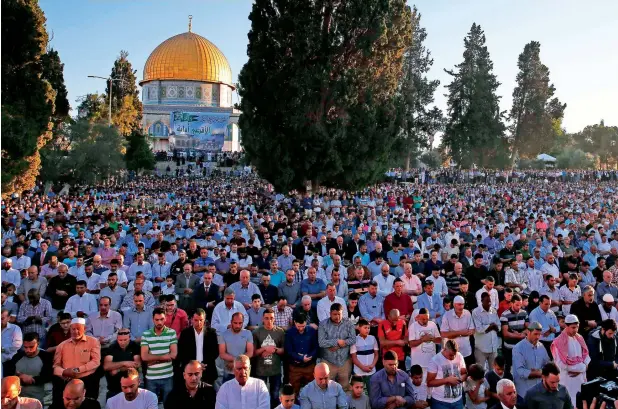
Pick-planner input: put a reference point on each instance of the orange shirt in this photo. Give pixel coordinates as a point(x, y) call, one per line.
point(393, 333)
point(84, 354)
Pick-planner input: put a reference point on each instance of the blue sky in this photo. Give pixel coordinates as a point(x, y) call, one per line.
point(578, 41)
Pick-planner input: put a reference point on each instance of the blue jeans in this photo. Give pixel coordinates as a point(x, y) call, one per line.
point(275, 384)
point(160, 387)
point(436, 404)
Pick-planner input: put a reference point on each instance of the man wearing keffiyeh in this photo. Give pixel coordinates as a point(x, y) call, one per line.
point(571, 356)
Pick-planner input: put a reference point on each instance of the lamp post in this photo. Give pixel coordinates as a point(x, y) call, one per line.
point(110, 80)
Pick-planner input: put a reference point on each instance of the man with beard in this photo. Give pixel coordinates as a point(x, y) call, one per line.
point(193, 394)
point(548, 393)
point(123, 354)
point(199, 343)
point(391, 387)
point(603, 348)
point(159, 348)
point(32, 365)
point(132, 396)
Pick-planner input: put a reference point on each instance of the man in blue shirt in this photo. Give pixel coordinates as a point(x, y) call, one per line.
point(322, 393)
point(301, 348)
point(529, 357)
point(391, 385)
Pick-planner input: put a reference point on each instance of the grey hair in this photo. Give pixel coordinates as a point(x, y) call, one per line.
point(504, 383)
point(305, 298)
point(244, 359)
point(228, 291)
point(587, 289)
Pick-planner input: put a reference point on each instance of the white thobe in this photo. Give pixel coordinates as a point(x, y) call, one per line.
point(573, 384)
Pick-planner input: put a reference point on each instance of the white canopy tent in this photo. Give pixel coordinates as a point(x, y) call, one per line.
point(546, 158)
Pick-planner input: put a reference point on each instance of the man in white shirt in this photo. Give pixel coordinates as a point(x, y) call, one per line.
point(9, 274)
point(243, 391)
point(132, 396)
point(385, 281)
point(78, 269)
point(489, 288)
point(91, 278)
point(114, 268)
point(331, 298)
point(81, 304)
point(139, 265)
point(222, 313)
point(423, 337)
point(550, 268)
point(20, 261)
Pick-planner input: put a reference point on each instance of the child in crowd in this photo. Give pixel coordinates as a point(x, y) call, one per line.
point(447, 303)
point(365, 352)
point(10, 292)
point(168, 287)
point(476, 388)
point(420, 387)
point(439, 283)
point(560, 318)
point(493, 376)
point(156, 292)
point(357, 399)
point(287, 397)
point(524, 302)
point(506, 303)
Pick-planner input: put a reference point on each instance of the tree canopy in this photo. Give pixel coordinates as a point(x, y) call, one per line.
point(319, 91)
point(27, 96)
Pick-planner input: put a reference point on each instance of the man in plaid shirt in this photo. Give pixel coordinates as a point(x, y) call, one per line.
point(35, 315)
point(283, 313)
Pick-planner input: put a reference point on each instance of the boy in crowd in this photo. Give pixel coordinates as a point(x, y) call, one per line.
point(356, 397)
point(364, 352)
point(420, 387)
point(287, 397)
point(493, 376)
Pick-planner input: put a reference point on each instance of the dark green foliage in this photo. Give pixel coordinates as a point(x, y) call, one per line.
point(599, 140)
point(126, 105)
point(27, 97)
point(319, 92)
point(474, 133)
point(139, 155)
point(420, 122)
point(534, 110)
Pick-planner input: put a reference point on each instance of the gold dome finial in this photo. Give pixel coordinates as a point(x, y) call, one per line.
point(190, 18)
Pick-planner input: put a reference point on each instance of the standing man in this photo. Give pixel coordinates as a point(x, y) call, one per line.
point(159, 348)
point(445, 375)
point(81, 304)
point(268, 341)
point(77, 358)
point(60, 288)
point(105, 324)
point(11, 337)
point(234, 342)
point(122, 355)
point(322, 392)
point(514, 323)
point(32, 365)
point(391, 387)
point(185, 286)
point(223, 312)
point(571, 356)
point(398, 300)
point(301, 348)
point(132, 396)
point(325, 303)
point(423, 337)
point(243, 391)
point(207, 295)
point(335, 335)
point(393, 335)
point(138, 319)
point(529, 357)
point(199, 343)
point(549, 393)
point(193, 393)
point(487, 325)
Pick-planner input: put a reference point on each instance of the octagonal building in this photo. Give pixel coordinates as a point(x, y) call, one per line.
point(187, 95)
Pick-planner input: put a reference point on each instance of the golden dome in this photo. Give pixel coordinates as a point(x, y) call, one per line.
point(188, 56)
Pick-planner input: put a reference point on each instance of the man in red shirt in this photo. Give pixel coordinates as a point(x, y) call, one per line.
point(175, 318)
point(399, 300)
point(393, 335)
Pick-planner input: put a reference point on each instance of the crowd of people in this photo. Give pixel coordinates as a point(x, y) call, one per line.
point(217, 292)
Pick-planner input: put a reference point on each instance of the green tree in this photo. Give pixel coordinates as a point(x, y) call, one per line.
point(92, 107)
point(474, 133)
point(53, 72)
point(139, 155)
point(126, 106)
point(432, 159)
point(535, 110)
point(573, 158)
point(27, 97)
point(319, 91)
point(599, 140)
point(420, 122)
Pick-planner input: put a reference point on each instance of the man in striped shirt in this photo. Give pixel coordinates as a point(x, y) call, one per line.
point(514, 322)
point(159, 349)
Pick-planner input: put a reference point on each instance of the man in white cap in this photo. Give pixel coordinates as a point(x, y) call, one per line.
point(571, 355)
point(607, 308)
point(77, 358)
point(458, 325)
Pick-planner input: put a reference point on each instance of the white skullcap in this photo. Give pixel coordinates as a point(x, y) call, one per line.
point(81, 321)
point(608, 298)
point(459, 300)
point(571, 319)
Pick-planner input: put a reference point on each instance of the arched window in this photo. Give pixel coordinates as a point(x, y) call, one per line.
point(158, 129)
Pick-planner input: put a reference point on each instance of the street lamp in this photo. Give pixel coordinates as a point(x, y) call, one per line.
point(110, 80)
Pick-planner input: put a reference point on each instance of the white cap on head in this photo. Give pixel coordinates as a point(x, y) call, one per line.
point(81, 321)
point(608, 298)
point(571, 319)
point(459, 300)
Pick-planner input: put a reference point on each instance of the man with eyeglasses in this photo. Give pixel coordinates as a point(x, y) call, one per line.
point(121, 355)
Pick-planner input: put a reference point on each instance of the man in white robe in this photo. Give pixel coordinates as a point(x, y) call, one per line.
point(571, 356)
